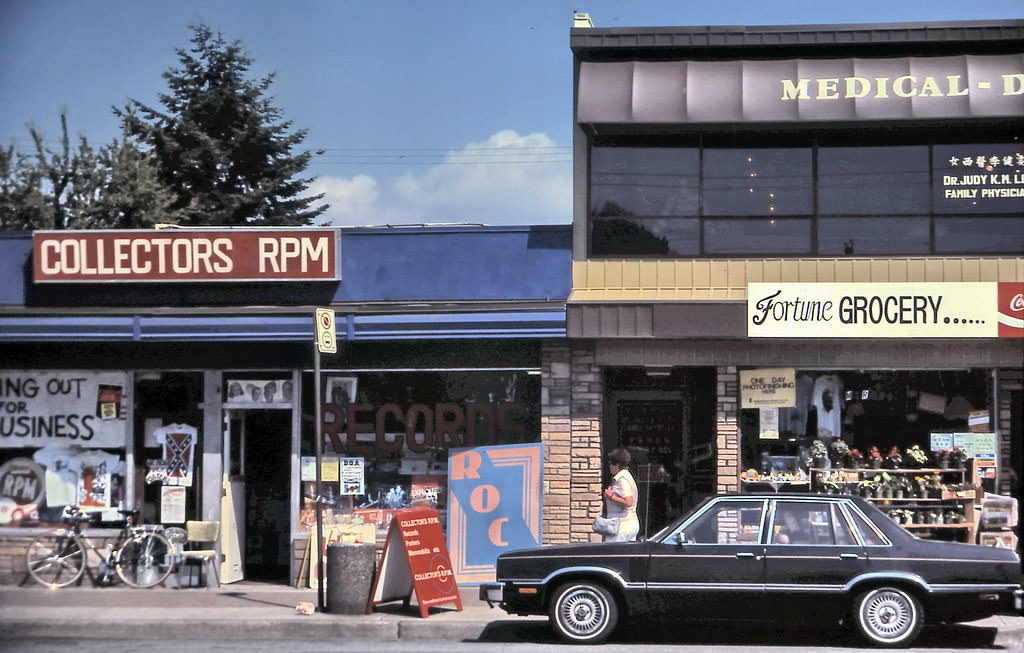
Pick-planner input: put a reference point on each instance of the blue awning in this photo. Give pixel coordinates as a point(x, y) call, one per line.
point(278, 328)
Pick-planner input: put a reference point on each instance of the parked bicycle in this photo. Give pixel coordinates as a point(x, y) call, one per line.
point(140, 556)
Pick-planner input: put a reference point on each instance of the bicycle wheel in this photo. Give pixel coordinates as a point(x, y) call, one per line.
point(145, 560)
point(55, 560)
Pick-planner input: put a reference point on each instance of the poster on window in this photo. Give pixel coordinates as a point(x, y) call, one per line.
point(69, 407)
point(179, 445)
point(257, 391)
point(494, 505)
point(172, 504)
point(340, 390)
point(353, 476)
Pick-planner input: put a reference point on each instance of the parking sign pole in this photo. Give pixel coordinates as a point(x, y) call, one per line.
point(319, 480)
point(326, 342)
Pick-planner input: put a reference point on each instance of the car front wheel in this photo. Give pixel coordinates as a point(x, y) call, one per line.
point(888, 616)
point(583, 613)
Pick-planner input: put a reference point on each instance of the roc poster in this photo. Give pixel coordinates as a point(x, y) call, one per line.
point(494, 505)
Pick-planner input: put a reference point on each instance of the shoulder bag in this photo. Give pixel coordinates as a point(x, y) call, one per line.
point(606, 525)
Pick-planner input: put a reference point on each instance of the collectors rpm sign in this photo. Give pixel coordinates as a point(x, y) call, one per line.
point(885, 310)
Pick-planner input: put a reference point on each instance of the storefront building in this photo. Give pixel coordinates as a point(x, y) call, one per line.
point(789, 235)
point(172, 370)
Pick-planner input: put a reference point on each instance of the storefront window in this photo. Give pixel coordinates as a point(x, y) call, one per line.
point(873, 180)
point(396, 429)
point(62, 441)
point(644, 181)
point(651, 237)
point(874, 236)
point(755, 181)
point(863, 200)
point(757, 236)
point(979, 235)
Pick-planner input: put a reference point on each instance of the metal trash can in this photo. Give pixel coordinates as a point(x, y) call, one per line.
point(349, 577)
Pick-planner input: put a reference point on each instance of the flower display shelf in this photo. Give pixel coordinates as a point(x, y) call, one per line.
point(962, 501)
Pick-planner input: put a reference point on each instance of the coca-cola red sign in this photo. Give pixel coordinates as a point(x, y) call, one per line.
point(1011, 310)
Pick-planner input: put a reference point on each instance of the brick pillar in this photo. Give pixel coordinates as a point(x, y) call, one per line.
point(587, 458)
point(727, 429)
point(572, 396)
point(555, 434)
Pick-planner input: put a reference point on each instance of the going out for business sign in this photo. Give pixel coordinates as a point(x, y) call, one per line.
point(885, 310)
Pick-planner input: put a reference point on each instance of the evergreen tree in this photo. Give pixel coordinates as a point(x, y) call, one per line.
point(220, 143)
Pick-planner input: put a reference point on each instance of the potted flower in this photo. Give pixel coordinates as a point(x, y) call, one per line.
point(941, 458)
point(874, 458)
point(837, 451)
point(854, 459)
point(893, 460)
point(916, 457)
point(818, 455)
point(957, 457)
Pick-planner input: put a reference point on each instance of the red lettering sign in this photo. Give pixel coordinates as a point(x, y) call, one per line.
point(268, 254)
point(416, 558)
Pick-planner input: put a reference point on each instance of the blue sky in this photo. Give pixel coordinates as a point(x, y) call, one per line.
point(430, 110)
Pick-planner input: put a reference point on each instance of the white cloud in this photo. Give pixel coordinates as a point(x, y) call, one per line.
point(507, 179)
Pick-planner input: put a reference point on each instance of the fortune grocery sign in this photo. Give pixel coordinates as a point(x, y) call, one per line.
point(193, 255)
point(885, 310)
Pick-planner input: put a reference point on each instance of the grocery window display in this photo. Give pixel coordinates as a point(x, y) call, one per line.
point(919, 442)
point(386, 436)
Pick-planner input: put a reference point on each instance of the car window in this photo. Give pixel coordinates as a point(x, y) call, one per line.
point(727, 522)
point(869, 535)
point(841, 528)
point(803, 522)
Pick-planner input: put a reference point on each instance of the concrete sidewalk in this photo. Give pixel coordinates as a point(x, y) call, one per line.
point(257, 611)
point(244, 610)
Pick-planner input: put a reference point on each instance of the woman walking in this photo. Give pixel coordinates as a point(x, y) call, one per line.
point(620, 497)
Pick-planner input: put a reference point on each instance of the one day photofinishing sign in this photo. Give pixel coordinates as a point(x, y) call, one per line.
point(886, 310)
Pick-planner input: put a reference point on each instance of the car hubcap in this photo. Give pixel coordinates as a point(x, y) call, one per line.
point(889, 615)
point(583, 612)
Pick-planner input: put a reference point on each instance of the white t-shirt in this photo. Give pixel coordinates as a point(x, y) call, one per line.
point(828, 402)
point(61, 474)
point(624, 486)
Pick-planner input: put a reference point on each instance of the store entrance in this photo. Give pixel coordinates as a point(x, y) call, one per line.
point(257, 448)
point(666, 421)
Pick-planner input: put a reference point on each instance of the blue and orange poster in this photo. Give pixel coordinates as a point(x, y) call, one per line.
point(494, 505)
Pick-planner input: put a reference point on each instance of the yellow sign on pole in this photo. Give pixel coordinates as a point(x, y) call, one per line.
point(326, 340)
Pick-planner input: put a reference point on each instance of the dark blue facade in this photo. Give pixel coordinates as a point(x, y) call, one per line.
point(397, 283)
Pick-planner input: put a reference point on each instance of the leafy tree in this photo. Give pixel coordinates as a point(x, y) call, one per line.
point(78, 187)
point(23, 206)
point(220, 143)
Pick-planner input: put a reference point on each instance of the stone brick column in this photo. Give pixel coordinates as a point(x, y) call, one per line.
point(727, 430)
point(572, 397)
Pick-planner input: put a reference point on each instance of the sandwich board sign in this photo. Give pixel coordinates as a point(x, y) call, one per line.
point(415, 558)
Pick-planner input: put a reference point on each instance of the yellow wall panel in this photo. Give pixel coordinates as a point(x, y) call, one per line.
point(727, 279)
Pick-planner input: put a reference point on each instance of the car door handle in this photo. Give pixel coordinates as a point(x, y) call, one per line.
point(745, 554)
point(849, 556)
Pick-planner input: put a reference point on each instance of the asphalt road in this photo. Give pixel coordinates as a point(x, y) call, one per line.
point(536, 637)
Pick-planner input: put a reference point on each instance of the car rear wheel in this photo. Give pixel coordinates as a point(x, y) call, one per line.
point(888, 616)
point(583, 613)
